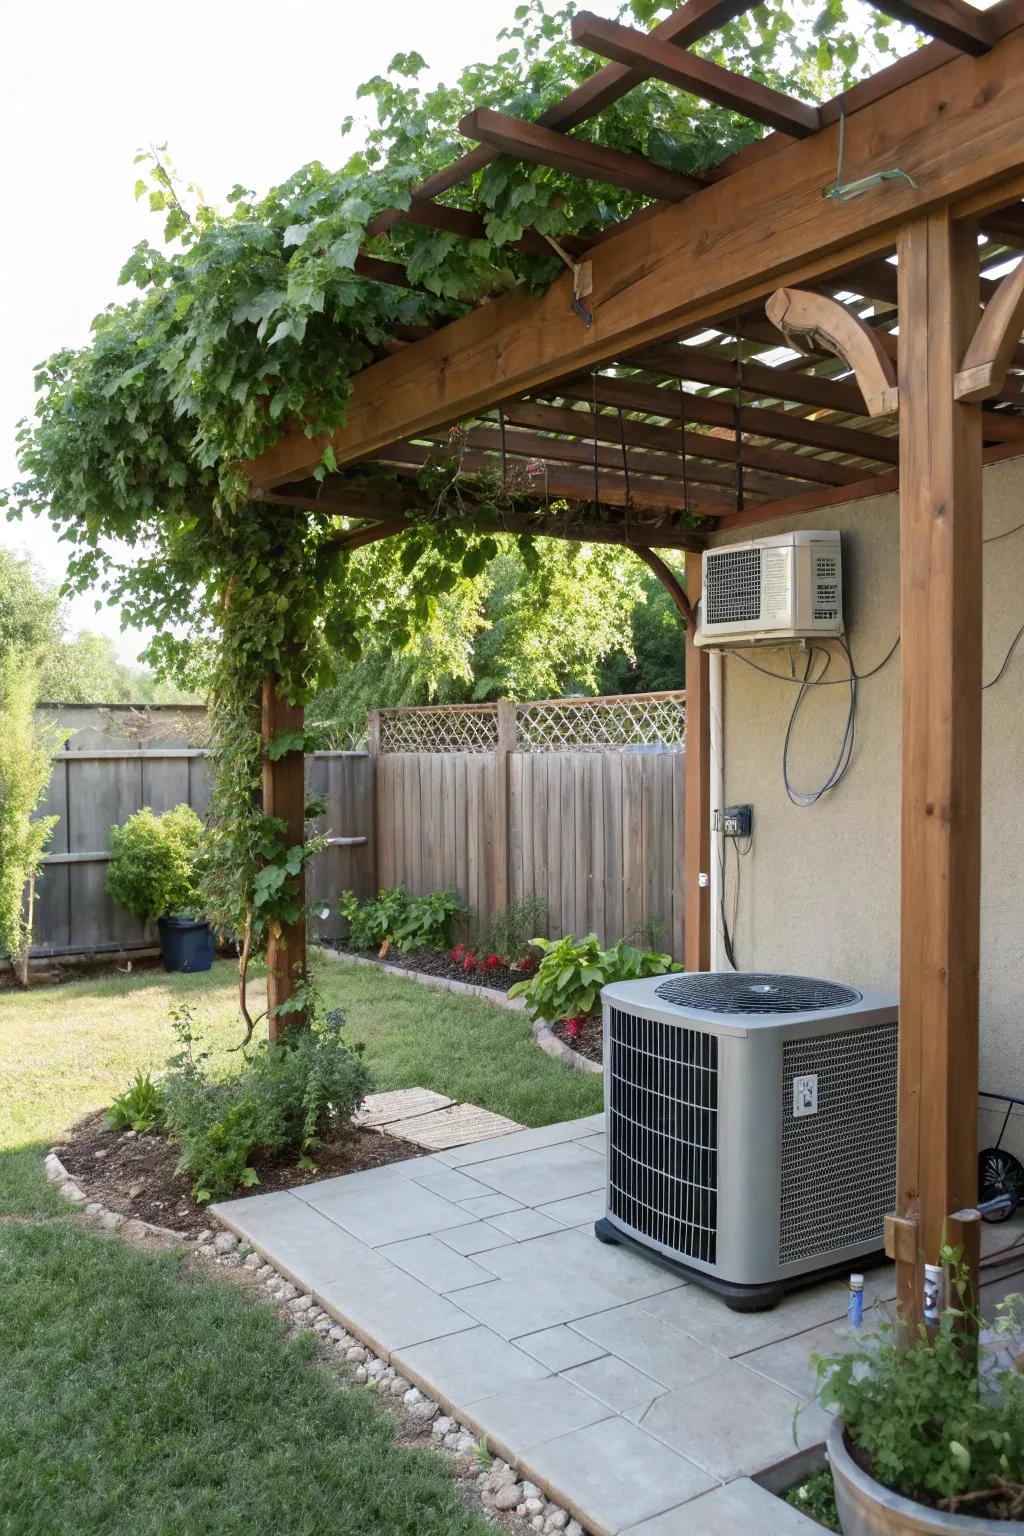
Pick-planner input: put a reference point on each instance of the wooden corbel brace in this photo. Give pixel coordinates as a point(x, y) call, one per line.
point(670, 582)
point(982, 373)
point(815, 320)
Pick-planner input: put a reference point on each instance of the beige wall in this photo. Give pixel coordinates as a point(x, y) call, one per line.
point(819, 889)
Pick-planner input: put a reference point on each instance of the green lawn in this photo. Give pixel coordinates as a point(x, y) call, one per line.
point(139, 1399)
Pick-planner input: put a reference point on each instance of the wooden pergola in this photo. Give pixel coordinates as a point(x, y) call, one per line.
point(826, 315)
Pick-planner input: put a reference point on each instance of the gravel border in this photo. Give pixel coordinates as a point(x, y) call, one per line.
point(542, 1031)
point(503, 1494)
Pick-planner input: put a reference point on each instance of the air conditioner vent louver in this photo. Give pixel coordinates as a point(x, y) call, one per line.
point(720, 992)
point(663, 1132)
point(732, 592)
point(838, 1165)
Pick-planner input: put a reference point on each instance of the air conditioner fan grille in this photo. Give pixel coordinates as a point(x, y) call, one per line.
point(754, 992)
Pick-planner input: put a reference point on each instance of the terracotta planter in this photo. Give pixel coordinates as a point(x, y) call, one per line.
point(868, 1509)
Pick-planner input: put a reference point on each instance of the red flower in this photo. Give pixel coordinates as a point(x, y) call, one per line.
point(572, 1028)
point(469, 960)
point(490, 962)
point(457, 953)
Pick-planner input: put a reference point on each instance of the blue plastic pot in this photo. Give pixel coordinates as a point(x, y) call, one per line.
point(186, 943)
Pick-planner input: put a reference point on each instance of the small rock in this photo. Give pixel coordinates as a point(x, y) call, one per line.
point(413, 1395)
point(135, 1190)
point(533, 1506)
point(509, 1497)
point(264, 1273)
point(376, 1368)
point(502, 1476)
point(207, 1250)
point(94, 1208)
point(451, 1439)
point(231, 1260)
point(252, 1262)
point(423, 1411)
point(225, 1242)
point(441, 1427)
point(530, 1490)
point(72, 1191)
point(110, 1221)
point(398, 1386)
point(99, 1156)
point(205, 1236)
point(286, 1291)
point(321, 1324)
point(537, 1522)
point(555, 1519)
point(360, 1375)
point(357, 1354)
point(300, 1304)
point(574, 1529)
point(487, 1499)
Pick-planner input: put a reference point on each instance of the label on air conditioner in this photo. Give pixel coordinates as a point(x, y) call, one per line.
point(805, 1095)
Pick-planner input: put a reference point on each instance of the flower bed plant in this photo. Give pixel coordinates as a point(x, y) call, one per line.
point(568, 981)
point(285, 1098)
point(393, 918)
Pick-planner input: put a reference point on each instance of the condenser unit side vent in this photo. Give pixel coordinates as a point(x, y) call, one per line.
point(663, 1132)
point(838, 1164)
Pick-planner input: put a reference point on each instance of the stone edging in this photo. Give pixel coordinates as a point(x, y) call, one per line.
point(425, 979)
point(549, 1041)
point(542, 1031)
point(499, 1486)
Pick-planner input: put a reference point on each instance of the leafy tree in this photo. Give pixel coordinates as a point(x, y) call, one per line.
point(25, 750)
point(654, 658)
point(255, 316)
point(30, 610)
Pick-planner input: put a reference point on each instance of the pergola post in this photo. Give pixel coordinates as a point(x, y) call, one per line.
point(697, 791)
point(940, 864)
point(284, 795)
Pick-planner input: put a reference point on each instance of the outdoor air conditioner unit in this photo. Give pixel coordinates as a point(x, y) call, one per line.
point(770, 591)
point(751, 1127)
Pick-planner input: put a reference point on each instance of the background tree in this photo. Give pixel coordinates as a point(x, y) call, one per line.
point(26, 746)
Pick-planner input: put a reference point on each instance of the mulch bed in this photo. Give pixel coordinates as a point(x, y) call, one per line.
point(135, 1175)
point(435, 962)
point(589, 1042)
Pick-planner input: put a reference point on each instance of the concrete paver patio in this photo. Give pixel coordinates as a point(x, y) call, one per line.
point(636, 1400)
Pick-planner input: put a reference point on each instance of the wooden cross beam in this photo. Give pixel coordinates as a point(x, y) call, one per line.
point(955, 22)
point(592, 162)
point(660, 59)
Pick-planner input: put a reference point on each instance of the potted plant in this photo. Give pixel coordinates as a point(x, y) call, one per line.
point(929, 1438)
point(153, 873)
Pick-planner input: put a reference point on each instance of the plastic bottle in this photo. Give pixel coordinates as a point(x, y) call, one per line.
point(855, 1311)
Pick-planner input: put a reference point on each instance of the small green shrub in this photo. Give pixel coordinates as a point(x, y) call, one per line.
point(918, 1416)
point(568, 981)
point(153, 865)
point(286, 1098)
point(508, 933)
point(139, 1108)
point(371, 923)
point(428, 920)
point(815, 1497)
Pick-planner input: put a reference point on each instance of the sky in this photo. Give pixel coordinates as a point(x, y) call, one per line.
point(240, 90)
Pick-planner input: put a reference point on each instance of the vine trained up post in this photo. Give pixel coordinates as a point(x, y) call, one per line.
point(284, 796)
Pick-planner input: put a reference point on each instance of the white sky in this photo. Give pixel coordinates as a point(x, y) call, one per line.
point(240, 90)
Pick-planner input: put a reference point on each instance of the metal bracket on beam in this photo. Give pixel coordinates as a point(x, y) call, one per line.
point(813, 320)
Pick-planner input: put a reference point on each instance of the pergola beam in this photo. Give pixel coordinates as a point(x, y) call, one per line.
point(952, 131)
point(658, 59)
point(592, 162)
point(955, 22)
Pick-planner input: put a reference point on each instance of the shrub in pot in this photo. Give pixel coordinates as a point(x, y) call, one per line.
point(153, 873)
point(928, 1438)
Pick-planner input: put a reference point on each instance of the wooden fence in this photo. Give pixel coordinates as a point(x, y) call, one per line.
point(93, 790)
point(576, 801)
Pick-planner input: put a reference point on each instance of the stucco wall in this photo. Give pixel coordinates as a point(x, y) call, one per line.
point(819, 888)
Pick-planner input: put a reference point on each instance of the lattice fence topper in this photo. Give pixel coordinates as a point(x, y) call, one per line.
point(440, 728)
point(599, 725)
point(547, 725)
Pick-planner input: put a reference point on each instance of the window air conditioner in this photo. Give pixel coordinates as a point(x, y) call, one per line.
point(770, 591)
point(751, 1127)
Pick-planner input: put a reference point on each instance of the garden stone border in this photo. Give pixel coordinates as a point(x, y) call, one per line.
point(499, 1486)
point(543, 1034)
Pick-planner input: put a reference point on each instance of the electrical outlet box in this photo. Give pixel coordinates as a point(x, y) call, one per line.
point(737, 820)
